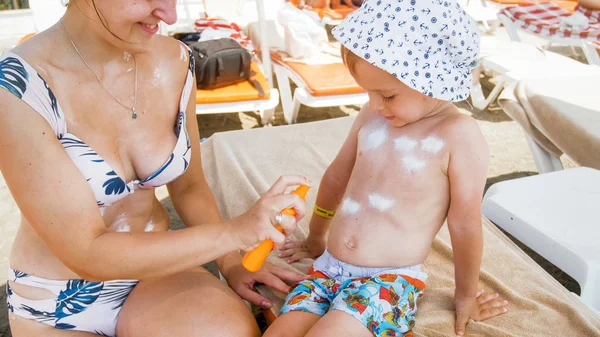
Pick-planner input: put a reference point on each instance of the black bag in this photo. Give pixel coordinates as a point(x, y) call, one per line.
point(222, 62)
point(188, 38)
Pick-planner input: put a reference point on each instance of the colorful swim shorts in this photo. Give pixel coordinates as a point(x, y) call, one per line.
point(383, 299)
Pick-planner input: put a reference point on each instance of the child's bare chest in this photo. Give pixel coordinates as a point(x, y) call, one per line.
point(409, 156)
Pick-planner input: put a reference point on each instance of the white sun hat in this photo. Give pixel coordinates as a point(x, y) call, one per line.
point(429, 45)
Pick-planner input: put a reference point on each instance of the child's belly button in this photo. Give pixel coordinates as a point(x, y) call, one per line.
point(350, 243)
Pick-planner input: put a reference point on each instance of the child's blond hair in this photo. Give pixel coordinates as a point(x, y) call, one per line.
point(349, 58)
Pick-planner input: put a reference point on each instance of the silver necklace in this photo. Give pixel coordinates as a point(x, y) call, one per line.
point(133, 112)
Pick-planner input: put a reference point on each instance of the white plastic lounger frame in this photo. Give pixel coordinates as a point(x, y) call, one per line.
point(507, 62)
point(588, 48)
point(557, 215)
point(482, 12)
point(291, 104)
point(266, 108)
point(544, 160)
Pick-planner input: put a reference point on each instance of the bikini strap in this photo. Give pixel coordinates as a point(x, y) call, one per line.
point(20, 79)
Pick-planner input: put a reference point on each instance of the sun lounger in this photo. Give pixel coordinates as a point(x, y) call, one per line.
point(545, 20)
point(508, 62)
point(558, 115)
point(330, 16)
point(239, 98)
point(318, 85)
point(555, 214)
point(238, 171)
point(483, 12)
point(568, 5)
point(321, 78)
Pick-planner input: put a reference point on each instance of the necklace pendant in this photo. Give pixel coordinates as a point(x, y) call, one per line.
point(133, 113)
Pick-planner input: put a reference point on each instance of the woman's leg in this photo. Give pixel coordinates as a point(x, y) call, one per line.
point(21, 327)
point(191, 303)
point(292, 324)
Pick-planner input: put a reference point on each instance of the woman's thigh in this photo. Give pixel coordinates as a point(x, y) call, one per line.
point(292, 324)
point(21, 327)
point(192, 303)
point(338, 323)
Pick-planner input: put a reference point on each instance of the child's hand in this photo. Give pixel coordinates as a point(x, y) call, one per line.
point(312, 247)
point(480, 308)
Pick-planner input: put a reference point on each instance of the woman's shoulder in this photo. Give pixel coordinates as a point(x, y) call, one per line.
point(171, 59)
point(34, 48)
point(171, 52)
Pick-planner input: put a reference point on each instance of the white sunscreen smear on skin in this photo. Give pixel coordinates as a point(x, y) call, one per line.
point(126, 56)
point(121, 224)
point(413, 164)
point(182, 53)
point(149, 226)
point(380, 202)
point(350, 206)
point(432, 144)
point(405, 144)
point(124, 228)
point(377, 134)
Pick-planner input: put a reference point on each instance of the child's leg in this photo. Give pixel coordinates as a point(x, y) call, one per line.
point(337, 323)
point(292, 324)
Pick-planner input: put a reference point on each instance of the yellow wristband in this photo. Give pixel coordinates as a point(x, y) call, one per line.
point(322, 212)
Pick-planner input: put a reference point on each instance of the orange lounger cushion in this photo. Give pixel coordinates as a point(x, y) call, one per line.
point(243, 91)
point(567, 5)
point(322, 79)
point(338, 13)
point(25, 38)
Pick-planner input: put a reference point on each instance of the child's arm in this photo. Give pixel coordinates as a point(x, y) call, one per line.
point(467, 172)
point(331, 191)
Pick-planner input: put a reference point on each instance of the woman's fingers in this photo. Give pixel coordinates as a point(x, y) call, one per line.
point(270, 211)
point(288, 223)
point(272, 281)
point(285, 181)
point(276, 236)
point(253, 297)
point(281, 202)
point(286, 274)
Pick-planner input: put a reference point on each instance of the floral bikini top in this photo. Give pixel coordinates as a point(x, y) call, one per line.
point(20, 79)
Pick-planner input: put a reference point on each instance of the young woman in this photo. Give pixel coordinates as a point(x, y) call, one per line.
point(95, 113)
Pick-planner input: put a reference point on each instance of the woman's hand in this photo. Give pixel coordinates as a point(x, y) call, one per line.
point(313, 246)
point(258, 223)
point(243, 281)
